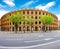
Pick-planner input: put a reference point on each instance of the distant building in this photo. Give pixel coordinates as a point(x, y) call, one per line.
point(6, 25)
point(59, 24)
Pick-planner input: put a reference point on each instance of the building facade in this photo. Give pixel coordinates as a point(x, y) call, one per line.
point(59, 24)
point(35, 14)
point(0, 24)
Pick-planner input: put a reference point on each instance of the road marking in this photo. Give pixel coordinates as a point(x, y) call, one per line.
point(33, 41)
point(32, 46)
point(48, 39)
point(38, 40)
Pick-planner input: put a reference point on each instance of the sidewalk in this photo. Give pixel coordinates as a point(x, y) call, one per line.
point(13, 32)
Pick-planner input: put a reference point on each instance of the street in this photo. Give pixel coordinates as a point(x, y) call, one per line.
point(37, 40)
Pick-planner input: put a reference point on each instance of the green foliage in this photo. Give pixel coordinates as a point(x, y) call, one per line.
point(16, 18)
point(26, 19)
point(30, 20)
point(46, 19)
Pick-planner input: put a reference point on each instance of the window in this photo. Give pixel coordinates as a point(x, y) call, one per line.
point(43, 13)
point(27, 12)
point(19, 28)
point(36, 12)
point(36, 22)
point(23, 22)
point(35, 17)
point(32, 17)
point(13, 23)
point(46, 13)
point(39, 22)
point(23, 12)
point(39, 13)
point(10, 23)
point(20, 22)
point(32, 12)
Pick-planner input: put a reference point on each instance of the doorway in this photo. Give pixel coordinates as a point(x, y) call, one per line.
point(36, 28)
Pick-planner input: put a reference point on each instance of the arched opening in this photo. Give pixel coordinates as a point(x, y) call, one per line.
point(12, 28)
point(19, 28)
point(39, 28)
point(28, 28)
point(43, 28)
point(36, 28)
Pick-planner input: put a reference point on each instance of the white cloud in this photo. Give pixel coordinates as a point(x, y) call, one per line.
point(9, 2)
point(29, 3)
point(58, 15)
point(46, 7)
point(2, 12)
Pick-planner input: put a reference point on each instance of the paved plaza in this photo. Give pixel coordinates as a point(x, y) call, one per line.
point(34, 40)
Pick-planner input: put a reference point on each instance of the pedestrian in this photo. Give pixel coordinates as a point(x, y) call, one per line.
point(39, 28)
point(49, 29)
point(24, 29)
point(32, 28)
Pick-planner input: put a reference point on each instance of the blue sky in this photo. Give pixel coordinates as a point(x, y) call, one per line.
point(52, 6)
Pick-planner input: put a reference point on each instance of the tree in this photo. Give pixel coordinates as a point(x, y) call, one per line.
point(24, 20)
point(16, 18)
point(30, 21)
point(46, 20)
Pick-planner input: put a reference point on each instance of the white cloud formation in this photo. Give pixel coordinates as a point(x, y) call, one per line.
point(46, 7)
point(2, 12)
point(29, 3)
point(9, 2)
